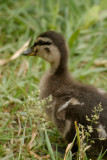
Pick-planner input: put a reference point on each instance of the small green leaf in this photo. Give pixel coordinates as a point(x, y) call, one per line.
point(73, 37)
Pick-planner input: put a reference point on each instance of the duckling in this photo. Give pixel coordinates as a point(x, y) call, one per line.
point(71, 100)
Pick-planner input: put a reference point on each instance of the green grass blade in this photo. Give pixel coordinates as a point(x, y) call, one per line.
point(49, 146)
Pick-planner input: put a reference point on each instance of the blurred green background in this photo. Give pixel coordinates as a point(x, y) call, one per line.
point(84, 27)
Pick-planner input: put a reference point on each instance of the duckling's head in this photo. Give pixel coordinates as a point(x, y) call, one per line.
point(50, 46)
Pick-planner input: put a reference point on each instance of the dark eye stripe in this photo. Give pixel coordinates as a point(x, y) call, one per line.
point(40, 43)
point(47, 43)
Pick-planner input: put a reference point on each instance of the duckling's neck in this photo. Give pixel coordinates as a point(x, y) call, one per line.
point(54, 67)
point(59, 67)
point(51, 82)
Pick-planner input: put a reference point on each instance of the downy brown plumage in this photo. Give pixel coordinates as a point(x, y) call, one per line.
point(72, 100)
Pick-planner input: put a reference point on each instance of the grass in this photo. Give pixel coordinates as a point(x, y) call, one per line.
point(83, 25)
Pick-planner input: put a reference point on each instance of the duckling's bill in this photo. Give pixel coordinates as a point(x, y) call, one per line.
point(29, 52)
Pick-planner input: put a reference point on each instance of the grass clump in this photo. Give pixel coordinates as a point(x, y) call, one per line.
point(33, 107)
point(84, 134)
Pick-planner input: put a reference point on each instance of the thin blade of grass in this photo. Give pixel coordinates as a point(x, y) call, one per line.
point(49, 146)
point(101, 155)
point(68, 149)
